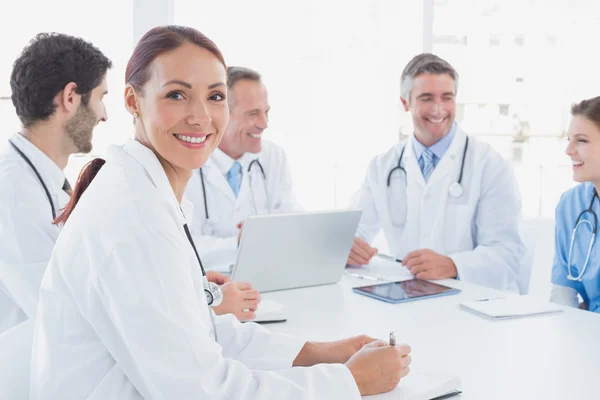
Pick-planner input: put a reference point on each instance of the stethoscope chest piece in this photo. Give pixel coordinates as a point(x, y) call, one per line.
point(455, 190)
point(214, 294)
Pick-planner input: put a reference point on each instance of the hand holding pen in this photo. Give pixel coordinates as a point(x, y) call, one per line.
point(378, 366)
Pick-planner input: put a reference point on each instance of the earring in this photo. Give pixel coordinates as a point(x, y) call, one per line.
point(135, 115)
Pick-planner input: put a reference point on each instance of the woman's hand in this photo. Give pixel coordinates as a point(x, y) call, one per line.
point(217, 278)
point(239, 299)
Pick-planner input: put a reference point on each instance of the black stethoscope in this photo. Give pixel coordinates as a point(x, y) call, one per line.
point(398, 213)
point(593, 228)
point(212, 291)
point(207, 230)
point(28, 161)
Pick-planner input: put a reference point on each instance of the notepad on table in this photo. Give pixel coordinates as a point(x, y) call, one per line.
point(422, 385)
point(269, 311)
point(510, 307)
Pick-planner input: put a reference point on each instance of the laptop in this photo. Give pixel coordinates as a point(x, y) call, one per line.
point(286, 251)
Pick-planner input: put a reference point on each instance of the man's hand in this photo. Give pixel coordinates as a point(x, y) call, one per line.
point(240, 299)
point(217, 278)
point(361, 252)
point(427, 264)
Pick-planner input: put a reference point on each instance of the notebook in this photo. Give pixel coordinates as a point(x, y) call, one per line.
point(422, 385)
point(510, 307)
point(269, 311)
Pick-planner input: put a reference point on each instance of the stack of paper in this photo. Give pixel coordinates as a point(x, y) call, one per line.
point(269, 311)
point(510, 307)
point(422, 385)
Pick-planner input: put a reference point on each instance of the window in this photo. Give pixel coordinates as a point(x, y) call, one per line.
point(518, 81)
point(332, 69)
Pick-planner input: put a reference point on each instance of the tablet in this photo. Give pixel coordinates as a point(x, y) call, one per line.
point(399, 292)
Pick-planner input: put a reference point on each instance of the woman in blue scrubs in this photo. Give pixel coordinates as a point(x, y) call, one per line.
point(576, 268)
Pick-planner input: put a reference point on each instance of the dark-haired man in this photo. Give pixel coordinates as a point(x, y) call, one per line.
point(58, 84)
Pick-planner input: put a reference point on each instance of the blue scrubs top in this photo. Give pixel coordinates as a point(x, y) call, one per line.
point(571, 204)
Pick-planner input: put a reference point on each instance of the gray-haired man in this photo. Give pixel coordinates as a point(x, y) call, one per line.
point(448, 204)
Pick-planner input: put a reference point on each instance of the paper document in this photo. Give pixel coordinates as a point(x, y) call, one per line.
point(421, 385)
point(269, 311)
point(510, 307)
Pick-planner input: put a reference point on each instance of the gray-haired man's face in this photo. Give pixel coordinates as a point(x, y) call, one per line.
point(432, 105)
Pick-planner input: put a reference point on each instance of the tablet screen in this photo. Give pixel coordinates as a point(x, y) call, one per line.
point(411, 289)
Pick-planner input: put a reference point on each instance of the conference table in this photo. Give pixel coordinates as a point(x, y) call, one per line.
point(554, 356)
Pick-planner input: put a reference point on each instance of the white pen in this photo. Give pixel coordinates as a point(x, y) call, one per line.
point(392, 338)
point(373, 278)
point(389, 258)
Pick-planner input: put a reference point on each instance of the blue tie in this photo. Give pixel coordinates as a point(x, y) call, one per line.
point(426, 163)
point(234, 177)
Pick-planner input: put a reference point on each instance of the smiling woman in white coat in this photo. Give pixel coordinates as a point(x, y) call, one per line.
point(123, 310)
point(448, 204)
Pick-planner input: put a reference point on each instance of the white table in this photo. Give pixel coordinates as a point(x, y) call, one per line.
point(543, 357)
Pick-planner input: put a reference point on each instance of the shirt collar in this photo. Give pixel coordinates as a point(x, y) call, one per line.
point(52, 175)
point(439, 148)
point(224, 162)
point(157, 174)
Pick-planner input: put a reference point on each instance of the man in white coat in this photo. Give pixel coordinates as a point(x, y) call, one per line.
point(57, 83)
point(448, 204)
point(246, 175)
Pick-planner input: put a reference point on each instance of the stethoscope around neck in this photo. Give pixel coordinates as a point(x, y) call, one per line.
point(398, 211)
point(207, 229)
point(593, 229)
point(28, 161)
point(212, 291)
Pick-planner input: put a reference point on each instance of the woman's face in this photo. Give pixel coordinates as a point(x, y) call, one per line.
point(584, 149)
point(183, 108)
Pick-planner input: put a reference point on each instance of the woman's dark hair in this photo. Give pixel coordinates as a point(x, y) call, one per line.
point(48, 63)
point(158, 41)
point(589, 108)
point(154, 43)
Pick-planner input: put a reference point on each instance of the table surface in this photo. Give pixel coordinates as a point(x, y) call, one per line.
point(553, 356)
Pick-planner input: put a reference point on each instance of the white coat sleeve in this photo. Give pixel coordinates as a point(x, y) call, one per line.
point(495, 261)
point(162, 343)
point(566, 296)
point(25, 246)
point(370, 223)
point(284, 199)
point(245, 342)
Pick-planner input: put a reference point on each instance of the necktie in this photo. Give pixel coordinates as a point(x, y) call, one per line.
point(427, 163)
point(67, 187)
point(234, 177)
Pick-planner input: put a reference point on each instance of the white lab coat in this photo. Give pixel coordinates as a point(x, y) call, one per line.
point(217, 237)
point(27, 235)
point(478, 231)
point(123, 314)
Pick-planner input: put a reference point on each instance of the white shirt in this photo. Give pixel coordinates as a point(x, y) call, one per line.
point(478, 230)
point(27, 234)
point(123, 314)
point(217, 236)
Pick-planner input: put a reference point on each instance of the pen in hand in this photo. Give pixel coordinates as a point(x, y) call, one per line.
point(392, 338)
point(388, 258)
